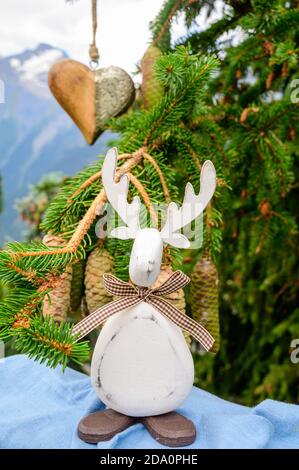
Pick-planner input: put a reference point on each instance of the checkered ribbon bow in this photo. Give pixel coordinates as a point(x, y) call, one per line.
point(131, 295)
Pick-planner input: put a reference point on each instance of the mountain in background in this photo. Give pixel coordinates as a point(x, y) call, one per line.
point(36, 135)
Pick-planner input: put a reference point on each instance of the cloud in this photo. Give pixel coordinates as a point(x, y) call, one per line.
point(123, 31)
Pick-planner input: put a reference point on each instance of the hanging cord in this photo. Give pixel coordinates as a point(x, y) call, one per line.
point(93, 50)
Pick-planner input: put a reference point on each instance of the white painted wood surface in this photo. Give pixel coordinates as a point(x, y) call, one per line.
point(146, 257)
point(141, 364)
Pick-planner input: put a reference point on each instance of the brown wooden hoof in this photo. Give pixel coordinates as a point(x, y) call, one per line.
point(103, 425)
point(171, 429)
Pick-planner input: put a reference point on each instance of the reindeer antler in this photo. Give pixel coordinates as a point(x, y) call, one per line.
point(117, 193)
point(191, 208)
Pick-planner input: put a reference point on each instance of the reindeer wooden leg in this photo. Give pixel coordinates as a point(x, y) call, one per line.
point(171, 429)
point(103, 425)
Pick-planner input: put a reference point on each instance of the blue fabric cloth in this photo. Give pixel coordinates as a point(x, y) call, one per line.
point(41, 408)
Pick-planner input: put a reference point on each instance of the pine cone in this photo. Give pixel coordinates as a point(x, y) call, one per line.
point(151, 89)
point(77, 286)
point(204, 298)
point(53, 240)
point(175, 298)
point(99, 262)
point(57, 303)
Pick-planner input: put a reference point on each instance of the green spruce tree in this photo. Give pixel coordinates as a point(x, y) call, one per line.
point(225, 93)
point(248, 126)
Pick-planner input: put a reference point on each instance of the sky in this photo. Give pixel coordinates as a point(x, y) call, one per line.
point(123, 27)
point(123, 31)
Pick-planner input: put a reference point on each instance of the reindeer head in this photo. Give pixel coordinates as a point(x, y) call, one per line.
point(146, 254)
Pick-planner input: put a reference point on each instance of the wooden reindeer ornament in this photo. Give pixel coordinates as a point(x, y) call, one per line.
point(142, 368)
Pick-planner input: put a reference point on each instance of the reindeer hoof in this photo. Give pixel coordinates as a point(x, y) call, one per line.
point(103, 425)
point(171, 429)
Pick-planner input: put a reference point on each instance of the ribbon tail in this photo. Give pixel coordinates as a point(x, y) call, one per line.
point(180, 319)
point(100, 315)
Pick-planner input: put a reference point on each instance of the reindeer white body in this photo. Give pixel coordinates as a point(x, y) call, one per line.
point(141, 364)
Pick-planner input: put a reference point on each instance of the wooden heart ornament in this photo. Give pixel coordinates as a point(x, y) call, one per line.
point(90, 97)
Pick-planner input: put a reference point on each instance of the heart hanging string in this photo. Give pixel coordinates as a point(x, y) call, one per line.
point(93, 49)
point(91, 95)
point(131, 295)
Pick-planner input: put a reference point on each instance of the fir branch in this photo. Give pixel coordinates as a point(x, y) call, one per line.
point(163, 181)
point(42, 339)
point(184, 78)
point(120, 250)
point(30, 263)
point(47, 342)
point(9, 308)
point(73, 246)
point(160, 27)
point(207, 40)
point(93, 178)
point(69, 206)
point(146, 199)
